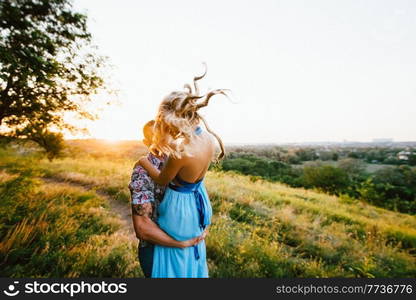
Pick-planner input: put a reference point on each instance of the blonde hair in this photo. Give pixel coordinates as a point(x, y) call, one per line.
point(177, 118)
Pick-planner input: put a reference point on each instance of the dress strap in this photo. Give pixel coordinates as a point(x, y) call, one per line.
point(198, 130)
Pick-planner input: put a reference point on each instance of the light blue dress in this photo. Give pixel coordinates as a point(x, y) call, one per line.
point(184, 213)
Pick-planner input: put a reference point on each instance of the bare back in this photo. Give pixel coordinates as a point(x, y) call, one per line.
point(194, 167)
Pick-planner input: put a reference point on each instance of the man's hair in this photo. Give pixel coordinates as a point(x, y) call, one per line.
point(148, 130)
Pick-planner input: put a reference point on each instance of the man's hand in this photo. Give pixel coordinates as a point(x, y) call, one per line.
point(196, 240)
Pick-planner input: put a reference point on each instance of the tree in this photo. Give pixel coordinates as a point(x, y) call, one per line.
point(412, 159)
point(241, 165)
point(356, 172)
point(307, 154)
point(47, 67)
point(352, 166)
point(326, 178)
point(393, 188)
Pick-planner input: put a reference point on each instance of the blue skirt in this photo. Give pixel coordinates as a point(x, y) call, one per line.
point(180, 217)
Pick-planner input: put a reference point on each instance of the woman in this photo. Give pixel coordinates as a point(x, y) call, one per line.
point(185, 211)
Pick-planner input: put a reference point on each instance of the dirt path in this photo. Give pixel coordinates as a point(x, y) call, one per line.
point(121, 210)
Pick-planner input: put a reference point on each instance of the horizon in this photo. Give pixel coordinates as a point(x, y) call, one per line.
point(263, 144)
point(299, 71)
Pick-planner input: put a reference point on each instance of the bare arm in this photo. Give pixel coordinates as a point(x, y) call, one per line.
point(163, 177)
point(147, 230)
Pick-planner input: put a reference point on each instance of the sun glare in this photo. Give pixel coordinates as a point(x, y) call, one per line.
point(112, 140)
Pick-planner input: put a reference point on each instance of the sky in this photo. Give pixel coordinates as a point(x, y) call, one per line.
point(299, 71)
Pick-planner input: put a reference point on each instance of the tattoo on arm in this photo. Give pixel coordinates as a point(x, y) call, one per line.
point(144, 209)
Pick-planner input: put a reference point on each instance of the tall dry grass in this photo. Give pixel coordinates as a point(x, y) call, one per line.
point(56, 230)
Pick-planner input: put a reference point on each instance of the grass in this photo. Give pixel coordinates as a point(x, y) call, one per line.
point(259, 229)
point(56, 230)
point(286, 232)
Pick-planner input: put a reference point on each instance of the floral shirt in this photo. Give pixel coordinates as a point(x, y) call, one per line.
point(146, 195)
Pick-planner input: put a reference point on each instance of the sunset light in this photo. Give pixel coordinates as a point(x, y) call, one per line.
point(287, 62)
point(270, 142)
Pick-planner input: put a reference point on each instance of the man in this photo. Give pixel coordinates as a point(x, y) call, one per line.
point(146, 196)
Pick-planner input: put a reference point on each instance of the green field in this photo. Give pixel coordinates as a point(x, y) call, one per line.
point(370, 168)
point(69, 218)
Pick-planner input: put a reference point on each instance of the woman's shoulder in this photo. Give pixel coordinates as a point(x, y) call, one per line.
point(211, 144)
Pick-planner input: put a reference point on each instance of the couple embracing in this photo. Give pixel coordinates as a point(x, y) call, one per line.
point(171, 209)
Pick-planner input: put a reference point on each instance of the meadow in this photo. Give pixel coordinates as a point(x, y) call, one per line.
point(69, 217)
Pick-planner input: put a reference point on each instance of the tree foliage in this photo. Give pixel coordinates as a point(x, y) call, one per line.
point(393, 188)
point(48, 66)
point(327, 178)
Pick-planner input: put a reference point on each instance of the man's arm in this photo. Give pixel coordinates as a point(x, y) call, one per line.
point(148, 230)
